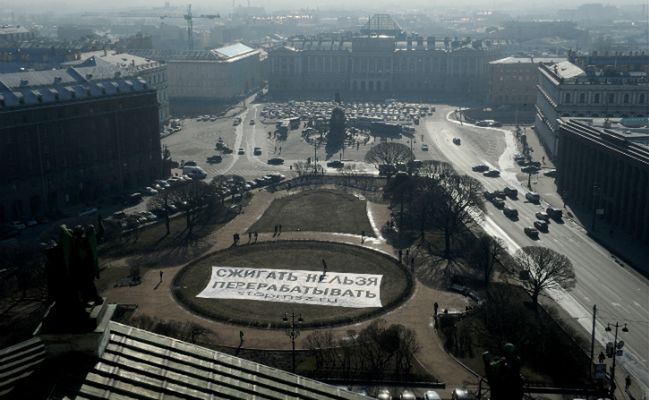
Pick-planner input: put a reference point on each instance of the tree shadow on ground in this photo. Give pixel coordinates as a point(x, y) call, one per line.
point(186, 247)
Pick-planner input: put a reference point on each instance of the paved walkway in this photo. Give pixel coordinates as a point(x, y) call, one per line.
point(154, 298)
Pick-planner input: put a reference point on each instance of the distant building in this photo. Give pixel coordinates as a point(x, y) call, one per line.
point(621, 62)
point(565, 90)
point(605, 168)
point(512, 81)
point(11, 34)
point(70, 136)
point(381, 65)
point(152, 71)
point(210, 76)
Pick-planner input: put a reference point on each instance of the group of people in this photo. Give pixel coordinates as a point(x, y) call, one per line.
point(407, 257)
point(236, 237)
point(278, 230)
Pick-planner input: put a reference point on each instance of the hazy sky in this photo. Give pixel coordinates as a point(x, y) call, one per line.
point(35, 6)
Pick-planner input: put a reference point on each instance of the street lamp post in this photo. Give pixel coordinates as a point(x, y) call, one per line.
point(293, 323)
point(615, 349)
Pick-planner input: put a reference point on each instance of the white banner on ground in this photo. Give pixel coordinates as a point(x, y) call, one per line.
point(294, 286)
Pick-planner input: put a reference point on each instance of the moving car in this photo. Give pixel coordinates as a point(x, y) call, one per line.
point(256, 151)
point(276, 161)
point(533, 197)
point(531, 232)
point(541, 225)
point(510, 192)
point(457, 141)
point(510, 212)
point(542, 216)
point(494, 173)
point(241, 151)
point(252, 122)
point(554, 213)
point(424, 147)
point(214, 159)
point(335, 164)
point(480, 168)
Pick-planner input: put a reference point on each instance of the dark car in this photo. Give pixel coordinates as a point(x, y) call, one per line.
point(226, 150)
point(511, 213)
point(457, 141)
point(498, 203)
point(541, 225)
point(276, 161)
point(335, 164)
point(480, 168)
point(542, 216)
point(530, 169)
point(494, 173)
point(511, 192)
point(531, 232)
point(214, 159)
point(8, 232)
point(554, 213)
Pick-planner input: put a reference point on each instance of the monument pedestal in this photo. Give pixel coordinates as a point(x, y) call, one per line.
point(89, 336)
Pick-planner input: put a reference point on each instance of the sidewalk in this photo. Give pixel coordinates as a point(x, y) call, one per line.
point(154, 298)
point(618, 243)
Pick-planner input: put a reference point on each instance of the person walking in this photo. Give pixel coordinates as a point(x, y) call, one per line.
point(249, 236)
point(280, 228)
point(435, 308)
point(256, 235)
point(161, 272)
point(400, 255)
point(324, 266)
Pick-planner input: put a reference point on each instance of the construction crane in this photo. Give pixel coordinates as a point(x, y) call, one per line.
point(189, 17)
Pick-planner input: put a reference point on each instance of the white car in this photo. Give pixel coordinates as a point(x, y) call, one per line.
point(432, 395)
point(149, 191)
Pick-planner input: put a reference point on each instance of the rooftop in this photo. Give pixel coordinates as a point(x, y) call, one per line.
point(138, 364)
point(621, 132)
point(33, 88)
point(230, 53)
point(569, 73)
point(10, 29)
point(112, 57)
point(529, 60)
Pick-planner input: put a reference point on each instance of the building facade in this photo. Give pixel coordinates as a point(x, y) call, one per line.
point(152, 71)
point(71, 136)
point(218, 75)
point(565, 90)
point(380, 62)
point(605, 168)
point(512, 81)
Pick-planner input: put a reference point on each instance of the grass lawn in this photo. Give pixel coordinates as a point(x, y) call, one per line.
point(396, 284)
point(319, 211)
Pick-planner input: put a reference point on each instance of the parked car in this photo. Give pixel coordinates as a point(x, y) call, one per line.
point(541, 225)
point(215, 159)
point(252, 122)
point(163, 183)
point(462, 394)
point(542, 216)
point(407, 395)
point(383, 394)
point(531, 232)
point(226, 150)
point(480, 168)
point(431, 395)
point(457, 141)
point(8, 232)
point(189, 163)
point(149, 191)
point(498, 203)
point(494, 173)
point(133, 199)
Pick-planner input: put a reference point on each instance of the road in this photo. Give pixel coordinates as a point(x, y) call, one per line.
point(620, 293)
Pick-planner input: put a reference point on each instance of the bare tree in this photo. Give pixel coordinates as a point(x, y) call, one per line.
point(456, 198)
point(390, 155)
point(161, 201)
point(540, 269)
point(192, 198)
point(484, 256)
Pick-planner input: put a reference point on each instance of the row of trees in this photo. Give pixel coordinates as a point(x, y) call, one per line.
point(375, 350)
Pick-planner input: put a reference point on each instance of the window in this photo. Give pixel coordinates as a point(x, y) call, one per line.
point(582, 98)
point(596, 98)
point(567, 98)
point(611, 98)
point(641, 98)
point(626, 98)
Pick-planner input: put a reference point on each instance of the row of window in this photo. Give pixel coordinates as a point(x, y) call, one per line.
point(610, 98)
